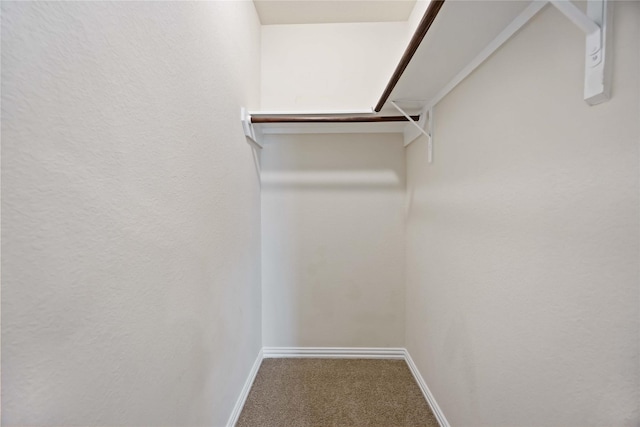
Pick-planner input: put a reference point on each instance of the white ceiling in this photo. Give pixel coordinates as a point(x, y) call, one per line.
point(326, 11)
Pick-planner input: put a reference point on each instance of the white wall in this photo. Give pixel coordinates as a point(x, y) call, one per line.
point(130, 212)
point(328, 66)
point(332, 240)
point(338, 66)
point(523, 237)
point(417, 13)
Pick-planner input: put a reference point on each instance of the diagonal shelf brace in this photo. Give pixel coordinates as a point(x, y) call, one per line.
point(410, 137)
point(576, 16)
point(413, 122)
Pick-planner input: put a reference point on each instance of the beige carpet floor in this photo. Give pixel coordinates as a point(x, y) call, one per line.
point(335, 392)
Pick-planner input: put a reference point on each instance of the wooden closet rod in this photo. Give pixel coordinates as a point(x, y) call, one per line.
point(330, 119)
point(421, 31)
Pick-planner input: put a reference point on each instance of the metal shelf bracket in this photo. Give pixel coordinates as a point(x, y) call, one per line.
point(429, 114)
point(250, 131)
point(410, 134)
point(596, 24)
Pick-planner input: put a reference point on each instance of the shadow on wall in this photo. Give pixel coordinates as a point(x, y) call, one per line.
point(335, 162)
point(335, 180)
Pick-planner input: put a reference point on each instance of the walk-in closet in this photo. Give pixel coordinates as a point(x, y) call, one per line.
point(320, 213)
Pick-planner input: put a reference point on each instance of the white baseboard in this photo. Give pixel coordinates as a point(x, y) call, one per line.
point(337, 353)
point(237, 409)
point(442, 420)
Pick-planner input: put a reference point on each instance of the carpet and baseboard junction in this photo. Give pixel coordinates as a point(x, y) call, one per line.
point(305, 387)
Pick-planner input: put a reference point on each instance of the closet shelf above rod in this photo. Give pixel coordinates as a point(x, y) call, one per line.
point(452, 40)
point(465, 34)
point(329, 119)
point(256, 124)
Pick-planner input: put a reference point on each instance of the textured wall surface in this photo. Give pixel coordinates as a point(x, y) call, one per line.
point(333, 240)
point(130, 212)
point(523, 237)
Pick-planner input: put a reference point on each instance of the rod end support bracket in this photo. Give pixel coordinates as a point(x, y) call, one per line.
point(597, 70)
point(596, 24)
point(250, 131)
